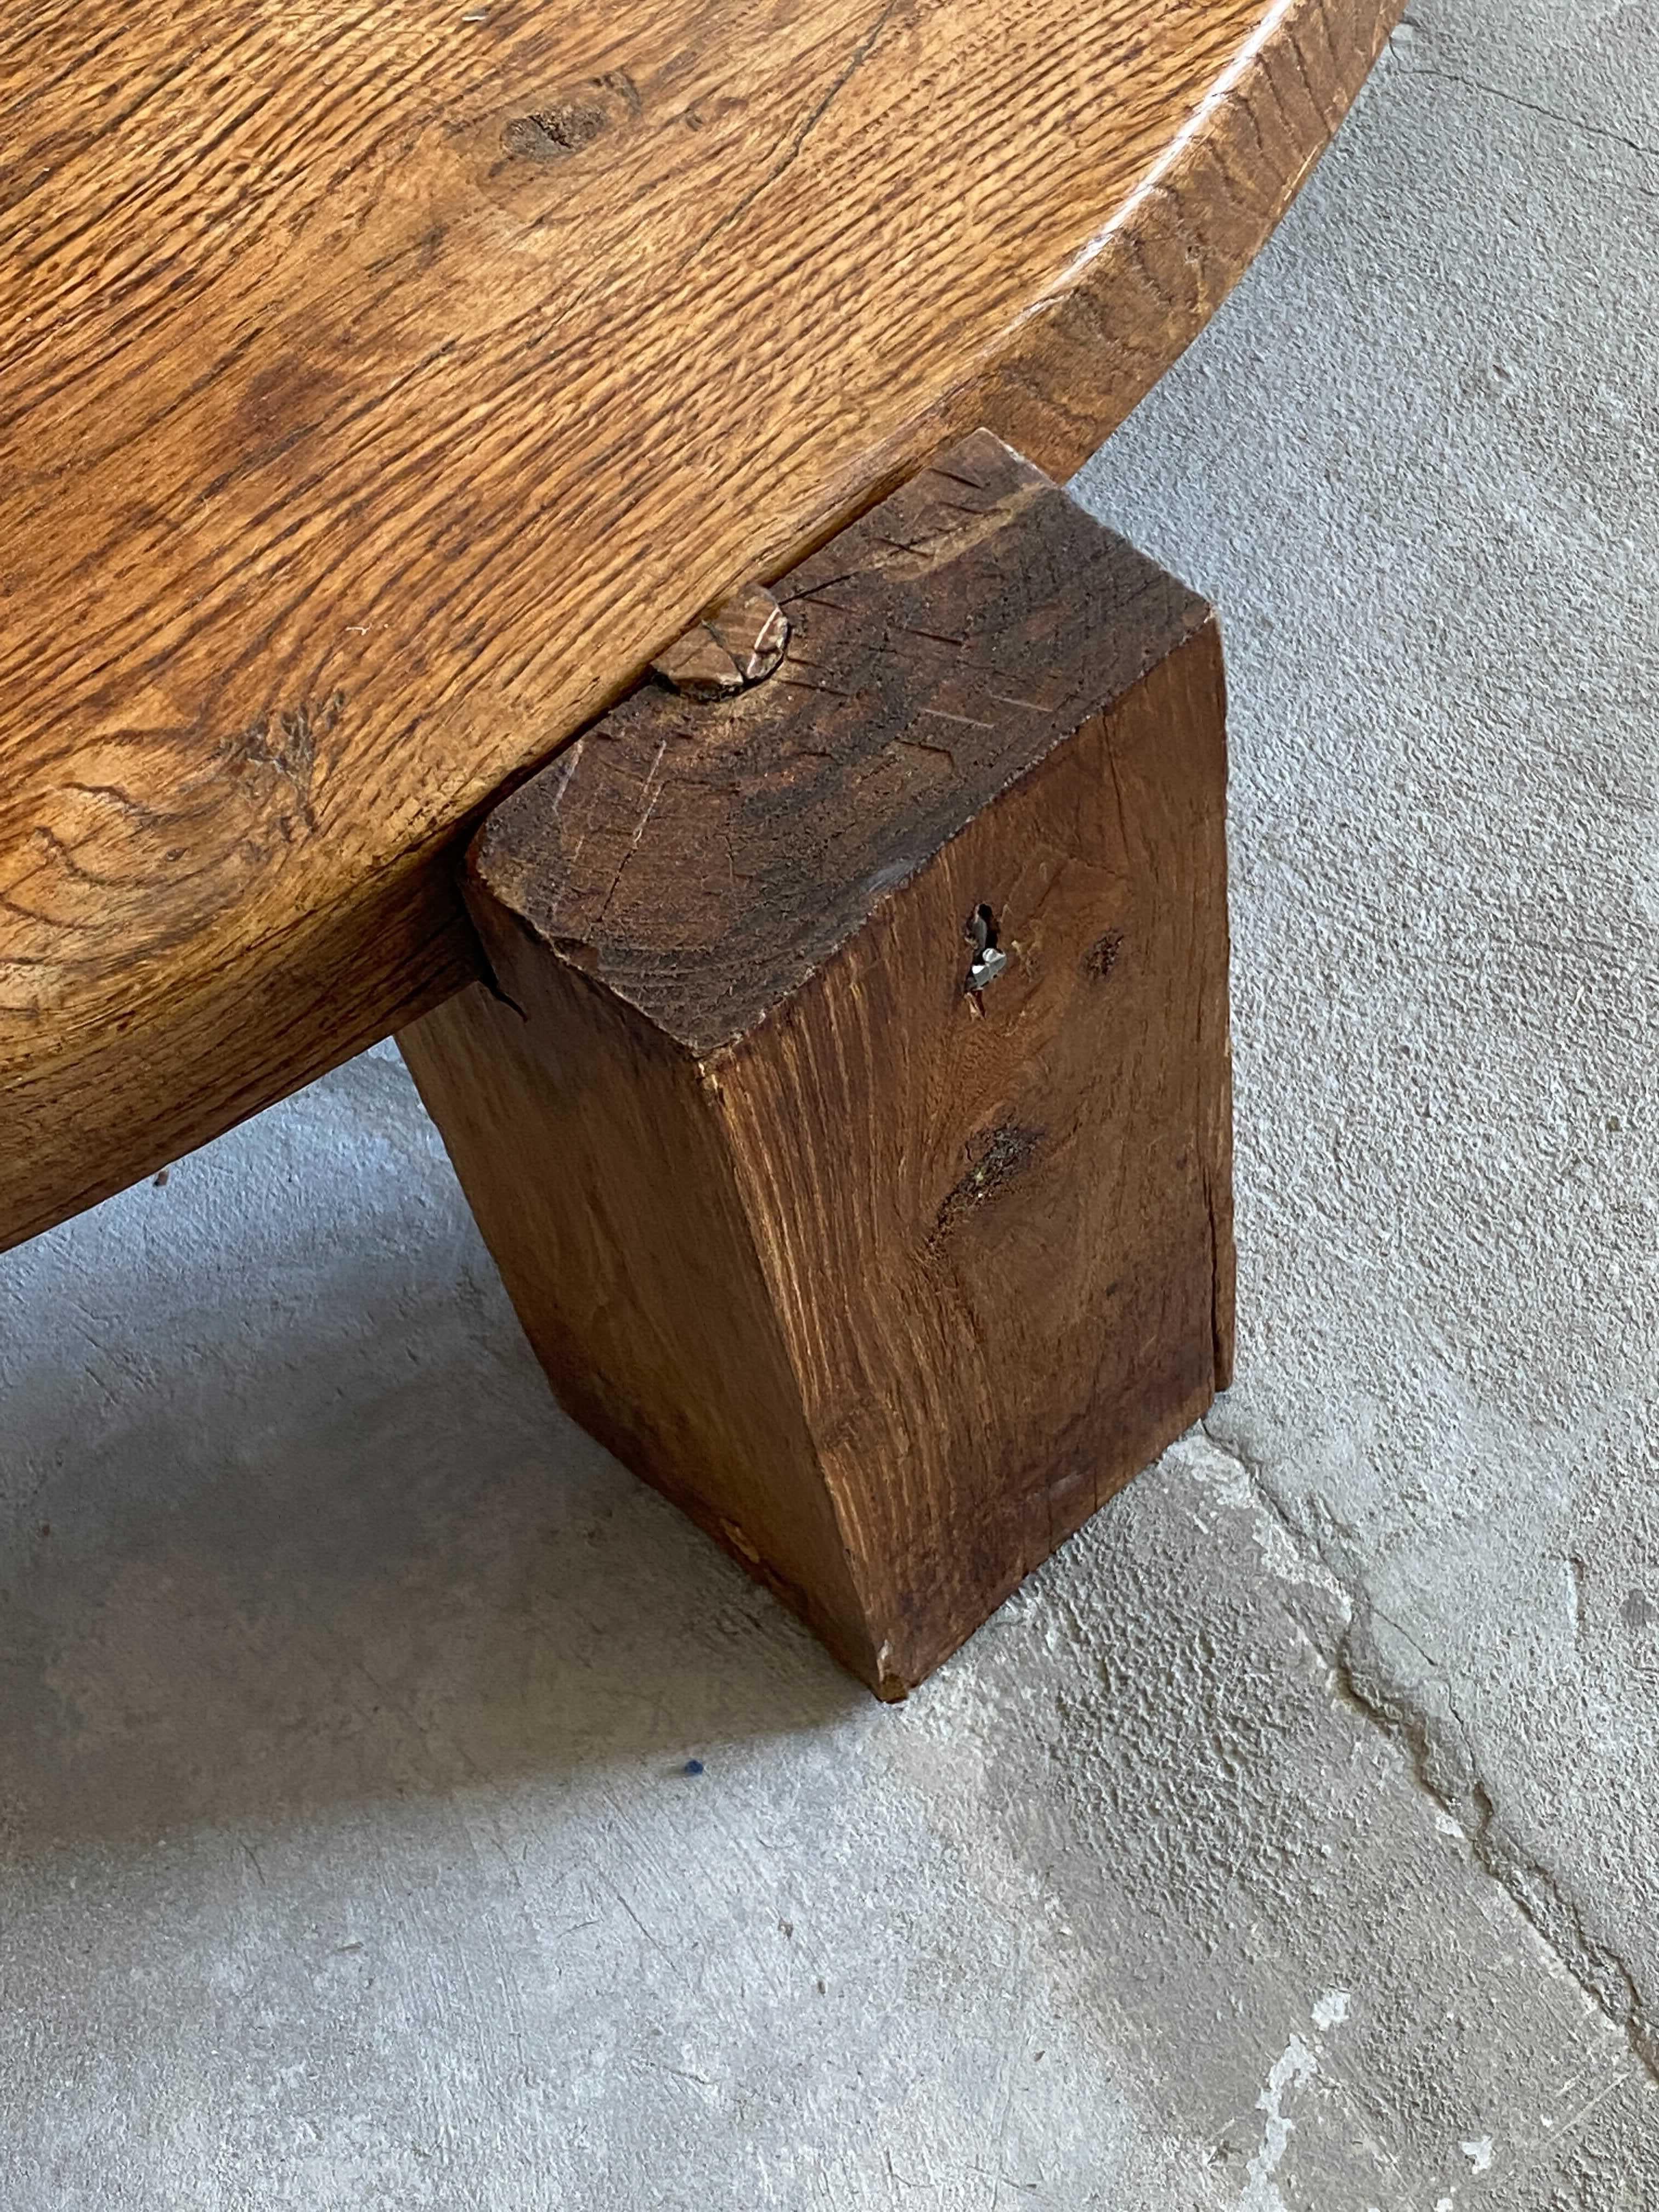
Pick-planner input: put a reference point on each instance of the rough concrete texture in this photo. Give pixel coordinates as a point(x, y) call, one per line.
point(1289, 1844)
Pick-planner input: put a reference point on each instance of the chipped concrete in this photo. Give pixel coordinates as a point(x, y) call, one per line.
point(399, 1807)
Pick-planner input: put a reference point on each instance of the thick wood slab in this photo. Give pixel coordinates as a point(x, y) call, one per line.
point(382, 386)
point(886, 1249)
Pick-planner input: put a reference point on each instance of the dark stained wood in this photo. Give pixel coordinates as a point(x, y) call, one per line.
point(889, 1279)
point(382, 387)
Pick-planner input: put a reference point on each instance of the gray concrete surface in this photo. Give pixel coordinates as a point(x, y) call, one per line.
point(1289, 1843)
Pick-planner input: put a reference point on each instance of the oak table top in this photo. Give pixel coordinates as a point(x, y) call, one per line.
point(383, 384)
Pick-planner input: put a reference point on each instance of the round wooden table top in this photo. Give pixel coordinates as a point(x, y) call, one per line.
point(386, 383)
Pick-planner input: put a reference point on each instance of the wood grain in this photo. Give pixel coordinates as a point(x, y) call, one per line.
point(887, 1280)
point(382, 386)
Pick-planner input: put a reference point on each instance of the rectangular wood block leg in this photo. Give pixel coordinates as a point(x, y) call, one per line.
point(852, 1128)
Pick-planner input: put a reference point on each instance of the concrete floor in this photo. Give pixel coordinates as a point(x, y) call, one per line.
point(1289, 1843)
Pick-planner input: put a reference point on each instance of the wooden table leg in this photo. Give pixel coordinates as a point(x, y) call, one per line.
point(852, 1127)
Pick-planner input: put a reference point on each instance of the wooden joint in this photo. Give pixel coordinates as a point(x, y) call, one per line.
point(856, 1147)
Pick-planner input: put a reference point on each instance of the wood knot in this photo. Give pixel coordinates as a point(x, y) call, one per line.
point(1103, 953)
point(283, 743)
point(995, 1158)
point(740, 643)
point(565, 124)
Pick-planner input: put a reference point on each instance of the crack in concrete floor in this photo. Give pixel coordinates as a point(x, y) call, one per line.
point(1442, 1749)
